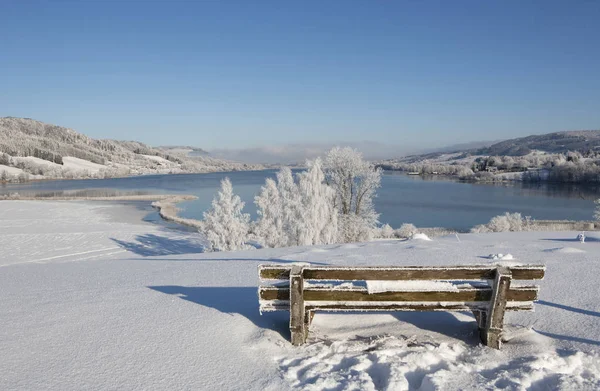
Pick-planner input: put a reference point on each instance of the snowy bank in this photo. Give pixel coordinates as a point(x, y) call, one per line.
point(95, 298)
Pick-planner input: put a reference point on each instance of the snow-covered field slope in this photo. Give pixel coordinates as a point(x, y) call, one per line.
point(37, 161)
point(94, 298)
point(10, 170)
point(77, 164)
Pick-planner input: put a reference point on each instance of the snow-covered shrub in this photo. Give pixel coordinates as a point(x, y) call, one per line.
point(480, 229)
point(406, 230)
point(355, 182)
point(224, 225)
point(597, 210)
point(512, 222)
point(353, 228)
point(386, 232)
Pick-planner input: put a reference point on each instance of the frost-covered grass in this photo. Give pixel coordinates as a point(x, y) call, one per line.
point(94, 298)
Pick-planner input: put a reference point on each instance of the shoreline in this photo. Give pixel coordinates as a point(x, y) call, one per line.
point(163, 203)
point(168, 211)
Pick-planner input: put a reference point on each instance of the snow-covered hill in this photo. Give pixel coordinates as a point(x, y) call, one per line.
point(93, 298)
point(39, 150)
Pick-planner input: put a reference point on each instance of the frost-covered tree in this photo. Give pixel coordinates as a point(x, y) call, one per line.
point(597, 210)
point(290, 206)
point(317, 220)
point(269, 228)
point(355, 182)
point(293, 213)
point(225, 225)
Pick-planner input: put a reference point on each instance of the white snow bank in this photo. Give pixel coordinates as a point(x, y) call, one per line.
point(410, 286)
point(420, 236)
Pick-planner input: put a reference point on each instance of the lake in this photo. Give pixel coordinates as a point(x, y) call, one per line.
point(425, 202)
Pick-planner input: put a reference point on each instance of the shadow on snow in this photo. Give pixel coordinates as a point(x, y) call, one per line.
point(244, 301)
point(232, 300)
point(568, 308)
point(152, 245)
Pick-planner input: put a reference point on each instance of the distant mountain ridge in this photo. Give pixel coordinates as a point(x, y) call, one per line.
point(558, 142)
point(50, 151)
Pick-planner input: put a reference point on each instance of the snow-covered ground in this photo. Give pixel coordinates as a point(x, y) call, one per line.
point(77, 164)
point(94, 298)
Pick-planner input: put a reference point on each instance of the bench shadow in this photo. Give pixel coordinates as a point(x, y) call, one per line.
point(232, 300)
point(443, 322)
point(568, 338)
point(568, 308)
point(149, 245)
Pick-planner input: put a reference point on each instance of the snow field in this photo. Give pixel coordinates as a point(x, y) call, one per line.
point(77, 164)
point(94, 298)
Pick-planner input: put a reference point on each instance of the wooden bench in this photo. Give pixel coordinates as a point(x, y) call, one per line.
point(483, 289)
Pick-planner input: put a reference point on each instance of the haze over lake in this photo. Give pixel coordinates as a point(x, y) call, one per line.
point(425, 202)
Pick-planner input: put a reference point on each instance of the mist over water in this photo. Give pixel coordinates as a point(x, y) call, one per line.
point(425, 202)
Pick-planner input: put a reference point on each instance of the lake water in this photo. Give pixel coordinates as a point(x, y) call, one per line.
point(425, 202)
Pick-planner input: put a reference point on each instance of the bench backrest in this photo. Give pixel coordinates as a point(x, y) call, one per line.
point(472, 290)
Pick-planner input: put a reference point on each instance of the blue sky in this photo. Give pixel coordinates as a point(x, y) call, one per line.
point(229, 74)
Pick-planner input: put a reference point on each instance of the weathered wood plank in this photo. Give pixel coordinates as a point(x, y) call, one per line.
point(526, 306)
point(492, 332)
point(462, 295)
point(468, 272)
point(404, 274)
point(266, 272)
point(363, 306)
point(298, 326)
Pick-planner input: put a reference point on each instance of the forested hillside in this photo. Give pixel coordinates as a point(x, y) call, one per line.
point(31, 149)
point(572, 156)
point(560, 142)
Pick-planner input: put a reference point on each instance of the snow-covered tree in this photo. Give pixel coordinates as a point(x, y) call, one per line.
point(298, 212)
point(318, 220)
point(291, 207)
point(225, 225)
point(269, 228)
point(355, 182)
point(597, 210)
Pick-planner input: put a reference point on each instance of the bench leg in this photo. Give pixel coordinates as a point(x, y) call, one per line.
point(308, 317)
point(480, 318)
point(491, 333)
point(298, 321)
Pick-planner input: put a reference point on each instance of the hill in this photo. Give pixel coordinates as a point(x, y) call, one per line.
point(559, 142)
point(31, 149)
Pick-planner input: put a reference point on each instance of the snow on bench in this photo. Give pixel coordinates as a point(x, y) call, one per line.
point(483, 289)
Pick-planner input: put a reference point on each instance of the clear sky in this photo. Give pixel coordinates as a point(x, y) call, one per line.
point(246, 73)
